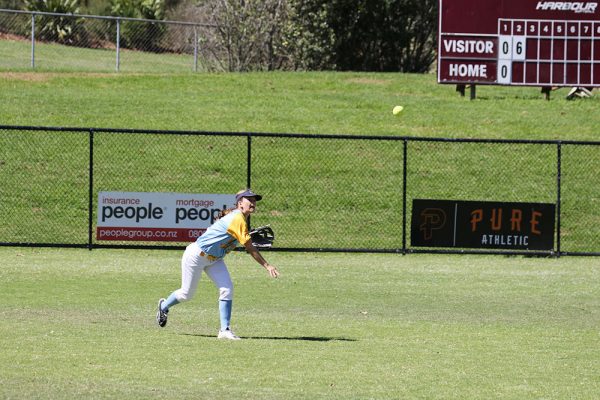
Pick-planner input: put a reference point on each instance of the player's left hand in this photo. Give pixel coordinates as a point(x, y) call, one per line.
point(272, 271)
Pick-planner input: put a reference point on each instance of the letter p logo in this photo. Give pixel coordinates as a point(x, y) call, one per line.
point(431, 219)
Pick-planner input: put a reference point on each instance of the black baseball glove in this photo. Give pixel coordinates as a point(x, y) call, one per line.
point(262, 237)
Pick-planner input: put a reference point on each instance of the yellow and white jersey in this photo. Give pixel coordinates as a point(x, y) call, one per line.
point(224, 235)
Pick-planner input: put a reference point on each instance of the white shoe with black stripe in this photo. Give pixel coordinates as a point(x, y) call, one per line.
point(228, 335)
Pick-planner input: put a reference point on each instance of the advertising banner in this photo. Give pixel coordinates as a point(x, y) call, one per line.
point(482, 224)
point(163, 217)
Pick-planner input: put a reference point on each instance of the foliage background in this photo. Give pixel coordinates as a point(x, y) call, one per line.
point(257, 35)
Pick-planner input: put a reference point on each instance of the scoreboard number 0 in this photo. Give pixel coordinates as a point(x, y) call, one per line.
point(504, 71)
point(505, 47)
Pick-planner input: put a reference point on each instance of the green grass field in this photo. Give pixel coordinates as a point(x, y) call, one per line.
point(312, 103)
point(80, 324)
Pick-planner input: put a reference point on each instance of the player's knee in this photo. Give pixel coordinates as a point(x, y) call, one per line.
point(226, 293)
point(183, 295)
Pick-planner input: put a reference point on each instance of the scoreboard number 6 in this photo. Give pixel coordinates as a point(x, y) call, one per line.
point(518, 48)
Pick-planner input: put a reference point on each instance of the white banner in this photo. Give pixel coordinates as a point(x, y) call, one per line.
point(143, 216)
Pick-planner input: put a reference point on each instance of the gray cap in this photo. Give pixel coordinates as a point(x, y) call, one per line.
point(247, 193)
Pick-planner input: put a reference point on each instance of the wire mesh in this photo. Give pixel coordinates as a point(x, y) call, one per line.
point(580, 203)
point(343, 193)
point(104, 44)
point(15, 41)
point(482, 171)
point(320, 192)
point(44, 180)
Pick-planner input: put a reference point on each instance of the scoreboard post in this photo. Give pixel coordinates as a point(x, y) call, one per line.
point(519, 42)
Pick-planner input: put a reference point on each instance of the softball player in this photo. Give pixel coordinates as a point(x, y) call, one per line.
point(207, 253)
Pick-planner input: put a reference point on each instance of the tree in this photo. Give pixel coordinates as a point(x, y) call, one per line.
point(308, 39)
point(375, 35)
point(250, 32)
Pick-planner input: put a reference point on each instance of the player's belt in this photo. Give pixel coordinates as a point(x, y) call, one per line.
point(208, 256)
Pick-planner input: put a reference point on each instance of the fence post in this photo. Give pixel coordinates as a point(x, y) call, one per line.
point(249, 162)
point(118, 43)
point(249, 169)
point(195, 49)
point(91, 190)
point(558, 196)
point(32, 41)
point(404, 174)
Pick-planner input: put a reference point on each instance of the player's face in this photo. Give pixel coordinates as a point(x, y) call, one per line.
point(247, 205)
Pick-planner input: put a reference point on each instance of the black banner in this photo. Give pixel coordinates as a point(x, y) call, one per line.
point(482, 224)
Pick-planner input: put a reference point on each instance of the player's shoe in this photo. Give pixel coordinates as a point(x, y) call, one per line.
point(228, 334)
point(161, 316)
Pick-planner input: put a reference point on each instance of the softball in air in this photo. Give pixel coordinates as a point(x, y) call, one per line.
point(397, 110)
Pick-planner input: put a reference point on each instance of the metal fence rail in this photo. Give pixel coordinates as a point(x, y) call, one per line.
point(322, 192)
point(101, 43)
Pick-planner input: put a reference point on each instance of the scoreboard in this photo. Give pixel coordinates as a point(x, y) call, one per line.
point(519, 42)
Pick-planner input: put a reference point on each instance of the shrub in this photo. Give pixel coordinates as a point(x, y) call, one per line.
point(65, 30)
point(140, 35)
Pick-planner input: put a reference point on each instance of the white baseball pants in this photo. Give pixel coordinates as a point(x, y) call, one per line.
point(192, 265)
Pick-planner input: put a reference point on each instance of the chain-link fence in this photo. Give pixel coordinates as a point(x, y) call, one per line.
point(52, 41)
point(322, 193)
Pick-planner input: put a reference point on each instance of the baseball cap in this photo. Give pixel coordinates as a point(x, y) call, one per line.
point(247, 193)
